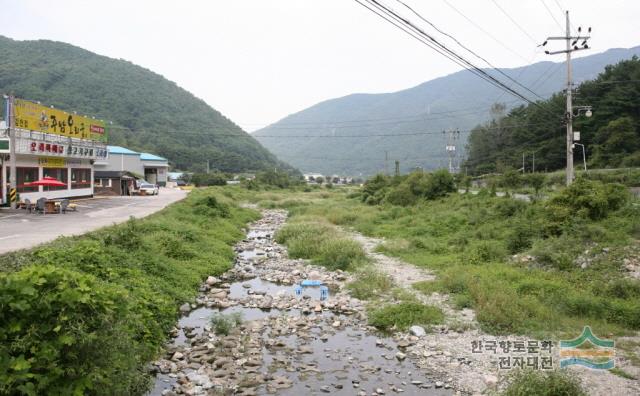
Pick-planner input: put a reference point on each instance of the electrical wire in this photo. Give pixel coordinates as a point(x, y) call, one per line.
point(468, 50)
point(514, 22)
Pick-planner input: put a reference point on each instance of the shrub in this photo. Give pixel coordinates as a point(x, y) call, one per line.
point(62, 332)
point(588, 199)
point(340, 253)
point(440, 184)
point(401, 196)
point(223, 324)
point(209, 206)
point(541, 383)
point(209, 179)
point(482, 252)
point(403, 315)
point(369, 283)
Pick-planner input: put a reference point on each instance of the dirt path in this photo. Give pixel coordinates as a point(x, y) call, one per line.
point(449, 349)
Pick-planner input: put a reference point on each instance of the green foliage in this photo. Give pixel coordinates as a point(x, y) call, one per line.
point(407, 190)
point(586, 199)
point(612, 134)
point(369, 284)
point(149, 112)
point(322, 244)
point(209, 179)
point(83, 315)
point(467, 240)
point(403, 315)
point(223, 324)
point(544, 383)
point(61, 333)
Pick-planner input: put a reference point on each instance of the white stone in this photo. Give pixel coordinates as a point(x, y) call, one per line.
point(417, 331)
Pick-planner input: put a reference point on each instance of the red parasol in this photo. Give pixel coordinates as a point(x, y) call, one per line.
point(47, 181)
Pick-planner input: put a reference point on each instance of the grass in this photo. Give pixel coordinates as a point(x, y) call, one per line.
point(223, 324)
point(370, 284)
point(403, 315)
point(83, 315)
point(322, 243)
point(541, 383)
point(621, 373)
point(469, 240)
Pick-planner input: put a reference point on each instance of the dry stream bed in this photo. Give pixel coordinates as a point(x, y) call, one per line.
point(288, 343)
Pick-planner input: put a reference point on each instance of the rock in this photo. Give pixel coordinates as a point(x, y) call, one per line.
point(314, 275)
point(325, 389)
point(186, 307)
point(417, 331)
point(318, 308)
point(177, 356)
point(401, 356)
point(211, 280)
point(337, 323)
point(490, 380)
point(379, 391)
point(439, 384)
point(246, 285)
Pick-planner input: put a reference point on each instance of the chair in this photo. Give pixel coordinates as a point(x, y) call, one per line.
point(63, 206)
point(41, 204)
point(28, 205)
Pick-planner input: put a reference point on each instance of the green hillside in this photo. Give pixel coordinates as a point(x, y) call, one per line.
point(148, 112)
point(350, 135)
point(611, 136)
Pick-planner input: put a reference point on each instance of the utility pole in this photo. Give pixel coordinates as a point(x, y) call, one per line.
point(523, 163)
point(386, 162)
point(397, 168)
point(12, 151)
point(452, 136)
point(533, 162)
point(207, 166)
point(571, 47)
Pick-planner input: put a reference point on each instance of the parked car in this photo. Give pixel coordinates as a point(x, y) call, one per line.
point(149, 189)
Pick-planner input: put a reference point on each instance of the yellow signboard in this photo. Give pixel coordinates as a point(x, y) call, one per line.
point(35, 117)
point(51, 162)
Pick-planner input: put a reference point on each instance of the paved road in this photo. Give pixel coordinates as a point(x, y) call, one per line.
point(20, 230)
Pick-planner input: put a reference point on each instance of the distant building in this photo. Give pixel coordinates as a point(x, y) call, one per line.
point(117, 174)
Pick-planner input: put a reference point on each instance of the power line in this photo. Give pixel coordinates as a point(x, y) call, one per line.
point(514, 22)
point(551, 14)
point(433, 43)
point(469, 50)
point(205, 134)
point(484, 31)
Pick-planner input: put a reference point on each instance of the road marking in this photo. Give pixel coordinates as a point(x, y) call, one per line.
point(10, 236)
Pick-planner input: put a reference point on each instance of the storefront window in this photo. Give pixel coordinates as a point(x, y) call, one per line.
point(80, 178)
point(24, 176)
point(59, 174)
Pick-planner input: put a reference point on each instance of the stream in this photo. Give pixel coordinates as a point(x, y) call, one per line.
point(293, 339)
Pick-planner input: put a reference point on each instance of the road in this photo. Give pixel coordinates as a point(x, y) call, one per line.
point(20, 230)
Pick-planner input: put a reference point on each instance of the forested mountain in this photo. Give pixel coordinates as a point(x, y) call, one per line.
point(350, 135)
point(148, 112)
point(611, 136)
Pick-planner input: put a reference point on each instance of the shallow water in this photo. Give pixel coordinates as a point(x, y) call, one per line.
point(341, 362)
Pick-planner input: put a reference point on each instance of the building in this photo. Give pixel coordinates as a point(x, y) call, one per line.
point(46, 149)
point(117, 174)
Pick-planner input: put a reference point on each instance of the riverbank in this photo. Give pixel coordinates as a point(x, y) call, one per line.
point(85, 314)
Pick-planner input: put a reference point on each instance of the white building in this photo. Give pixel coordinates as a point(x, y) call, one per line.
point(39, 154)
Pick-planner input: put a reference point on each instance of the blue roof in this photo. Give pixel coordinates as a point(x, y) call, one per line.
point(121, 150)
point(151, 157)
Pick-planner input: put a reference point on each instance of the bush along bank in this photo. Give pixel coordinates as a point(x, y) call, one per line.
point(83, 315)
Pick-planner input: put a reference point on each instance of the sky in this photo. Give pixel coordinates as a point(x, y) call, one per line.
point(257, 61)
